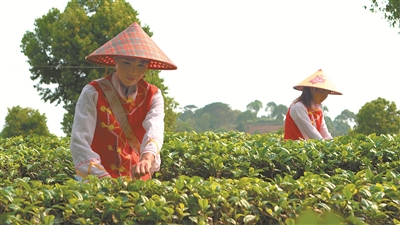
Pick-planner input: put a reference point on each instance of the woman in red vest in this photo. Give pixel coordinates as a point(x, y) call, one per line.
point(119, 119)
point(305, 118)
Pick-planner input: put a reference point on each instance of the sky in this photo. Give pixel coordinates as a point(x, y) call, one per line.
point(236, 52)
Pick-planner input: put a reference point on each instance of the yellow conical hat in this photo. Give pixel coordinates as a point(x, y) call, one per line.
point(318, 80)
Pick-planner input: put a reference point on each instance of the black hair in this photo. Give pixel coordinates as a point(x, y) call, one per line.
point(306, 97)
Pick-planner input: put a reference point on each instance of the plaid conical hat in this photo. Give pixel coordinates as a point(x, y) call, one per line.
point(318, 80)
point(133, 42)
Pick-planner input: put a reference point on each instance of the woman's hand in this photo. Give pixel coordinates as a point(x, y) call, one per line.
point(143, 167)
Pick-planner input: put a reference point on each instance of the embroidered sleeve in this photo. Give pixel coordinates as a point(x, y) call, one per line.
point(299, 114)
point(154, 126)
point(85, 160)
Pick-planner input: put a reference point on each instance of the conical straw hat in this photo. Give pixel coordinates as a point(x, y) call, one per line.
point(133, 42)
point(318, 80)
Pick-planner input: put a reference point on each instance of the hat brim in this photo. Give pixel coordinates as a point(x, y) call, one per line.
point(331, 92)
point(108, 60)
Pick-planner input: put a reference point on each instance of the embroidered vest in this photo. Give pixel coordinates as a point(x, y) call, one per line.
point(292, 132)
point(109, 141)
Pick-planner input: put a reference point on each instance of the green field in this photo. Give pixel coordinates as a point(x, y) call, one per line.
point(210, 178)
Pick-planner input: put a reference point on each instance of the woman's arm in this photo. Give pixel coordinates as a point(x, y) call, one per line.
point(324, 130)
point(154, 137)
point(299, 114)
point(85, 159)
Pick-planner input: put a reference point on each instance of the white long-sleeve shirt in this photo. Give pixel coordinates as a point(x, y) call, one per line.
point(299, 114)
point(85, 123)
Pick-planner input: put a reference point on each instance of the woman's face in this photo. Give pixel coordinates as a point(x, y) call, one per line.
point(319, 95)
point(129, 71)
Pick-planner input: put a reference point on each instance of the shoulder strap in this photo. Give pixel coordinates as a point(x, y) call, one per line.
point(119, 113)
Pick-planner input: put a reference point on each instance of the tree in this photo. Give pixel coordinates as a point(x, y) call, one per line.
point(184, 125)
point(24, 121)
point(389, 8)
point(60, 41)
point(190, 108)
point(255, 106)
point(378, 116)
point(215, 117)
point(342, 122)
point(188, 112)
point(346, 117)
point(242, 120)
point(185, 121)
point(220, 115)
point(279, 112)
point(330, 125)
point(204, 122)
point(269, 108)
point(325, 109)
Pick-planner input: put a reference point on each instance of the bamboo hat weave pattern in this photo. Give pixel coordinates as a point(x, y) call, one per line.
point(133, 42)
point(318, 80)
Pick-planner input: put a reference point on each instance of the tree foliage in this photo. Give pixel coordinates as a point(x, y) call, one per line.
point(346, 117)
point(255, 106)
point(342, 123)
point(57, 47)
point(389, 8)
point(24, 122)
point(330, 125)
point(216, 116)
point(378, 116)
point(169, 103)
point(276, 112)
point(243, 119)
point(269, 108)
point(190, 107)
point(279, 112)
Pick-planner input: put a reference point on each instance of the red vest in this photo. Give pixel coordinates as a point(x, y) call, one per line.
point(292, 132)
point(109, 141)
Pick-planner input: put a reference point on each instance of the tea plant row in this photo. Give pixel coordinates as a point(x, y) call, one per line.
point(210, 178)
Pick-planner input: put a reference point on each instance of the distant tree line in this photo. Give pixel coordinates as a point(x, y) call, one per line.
point(379, 116)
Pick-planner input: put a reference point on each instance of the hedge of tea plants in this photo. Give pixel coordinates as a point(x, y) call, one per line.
point(210, 178)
